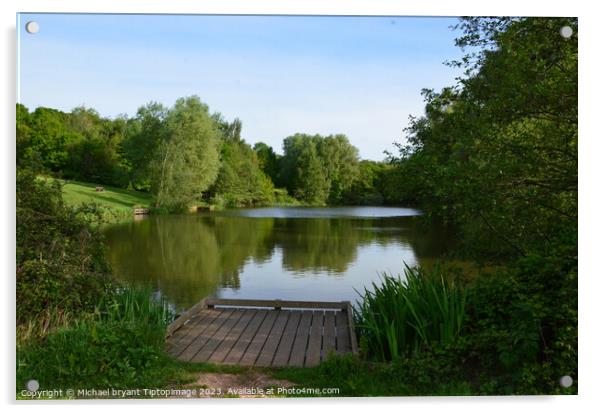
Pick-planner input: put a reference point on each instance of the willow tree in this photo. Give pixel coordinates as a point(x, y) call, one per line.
point(186, 161)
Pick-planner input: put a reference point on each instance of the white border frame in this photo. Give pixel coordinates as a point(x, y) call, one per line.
point(589, 94)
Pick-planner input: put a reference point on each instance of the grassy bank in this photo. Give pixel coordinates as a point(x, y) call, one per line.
point(426, 336)
point(76, 193)
point(117, 203)
point(119, 344)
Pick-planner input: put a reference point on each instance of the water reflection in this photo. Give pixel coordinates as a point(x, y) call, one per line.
point(189, 257)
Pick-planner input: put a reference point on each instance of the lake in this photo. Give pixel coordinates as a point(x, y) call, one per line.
point(270, 253)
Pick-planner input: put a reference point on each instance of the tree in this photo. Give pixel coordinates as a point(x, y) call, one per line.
point(268, 161)
point(96, 156)
point(43, 136)
point(367, 188)
point(240, 182)
point(186, 161)
point(144, 134)
point(495, 158)
point(497, 153)
point(340, 161)
point(318, 169)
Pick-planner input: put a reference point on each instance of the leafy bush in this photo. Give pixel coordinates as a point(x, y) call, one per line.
point(423, 373)
point(60, 255)
point(521, 328)
point(510, 332)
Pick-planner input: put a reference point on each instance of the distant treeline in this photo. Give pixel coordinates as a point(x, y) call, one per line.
point(185, 154)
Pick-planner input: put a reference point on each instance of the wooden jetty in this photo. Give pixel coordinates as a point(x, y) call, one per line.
point(201, 208)
point(141, 211)
point(262, 332)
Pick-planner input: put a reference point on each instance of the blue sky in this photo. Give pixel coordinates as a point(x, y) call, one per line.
point(360, 76)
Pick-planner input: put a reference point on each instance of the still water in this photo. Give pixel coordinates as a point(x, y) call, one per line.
point(270, 253)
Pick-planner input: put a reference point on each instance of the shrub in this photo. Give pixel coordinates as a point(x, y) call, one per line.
point(60, 253)
point(521, 328)
point(510, 332)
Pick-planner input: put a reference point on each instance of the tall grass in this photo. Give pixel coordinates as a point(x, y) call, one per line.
point(44, 324)
point(401, 316)
point(119, 345)
point(135, 305)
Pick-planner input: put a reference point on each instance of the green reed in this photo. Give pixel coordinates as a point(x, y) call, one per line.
point(120, 343)
point(403, 315)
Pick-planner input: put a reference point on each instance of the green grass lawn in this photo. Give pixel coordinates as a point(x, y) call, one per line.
point(76, 193)
point(118, 201)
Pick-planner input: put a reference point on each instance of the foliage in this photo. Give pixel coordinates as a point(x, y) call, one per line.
point(416, 313)
point(144, 134)
point(513, 332)
point(499, 165)
point(44, 137)
point(419, 374)
point(318, 169)
point(340, 163)
point(241, 181)
point(60, 261)
point(120, 345)
point(521, 333)
point(269, 162)
point(282, 198)
point(79, 144)
point(367, 188)
point(495, 157)
point(185, 155)
point(186, 161)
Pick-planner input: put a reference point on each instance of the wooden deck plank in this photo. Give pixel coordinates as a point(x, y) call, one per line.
point(314, 344)
point(299, 349)
point(214, 341)
point(180, 340)
point(232, 337)
point(181, 332)
point(193, 330)
point(283, 352)
point(236, 333)
point(271, 344)
point(185, 316)
point(329, 342)
point(246, 338)
point(352, 338)
point(211, 302)
point(254, 349)
point(201, 339)
point(342, 334)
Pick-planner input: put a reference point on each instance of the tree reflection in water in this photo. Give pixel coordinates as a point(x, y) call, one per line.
point(188, 257)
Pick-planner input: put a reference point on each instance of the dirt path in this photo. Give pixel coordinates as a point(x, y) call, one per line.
point(251, 384)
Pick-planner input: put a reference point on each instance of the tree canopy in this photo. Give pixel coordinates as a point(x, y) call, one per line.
point(497, 152)
point(186, 159)
point(319, 169)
